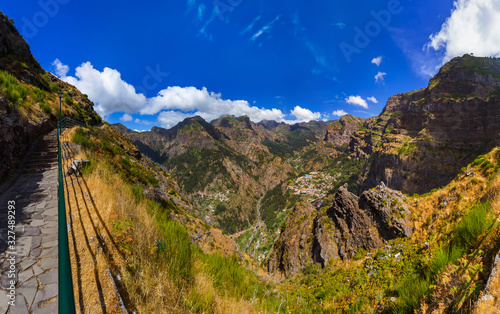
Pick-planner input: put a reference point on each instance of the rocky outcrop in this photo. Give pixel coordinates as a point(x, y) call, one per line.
point(339, 132)
point(353, 226)
point(388, 210)
point(12, 43)
point(351, 223)
point(377, 215)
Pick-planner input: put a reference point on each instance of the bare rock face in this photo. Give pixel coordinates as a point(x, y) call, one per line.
point(354, 226)
point(351, 223)
point(324, 245)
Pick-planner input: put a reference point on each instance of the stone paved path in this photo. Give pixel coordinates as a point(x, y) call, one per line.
point(35, 266)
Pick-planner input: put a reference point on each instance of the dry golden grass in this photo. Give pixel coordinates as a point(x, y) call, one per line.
point(90, 248)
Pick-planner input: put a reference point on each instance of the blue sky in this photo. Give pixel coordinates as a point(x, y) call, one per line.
point(158, 62)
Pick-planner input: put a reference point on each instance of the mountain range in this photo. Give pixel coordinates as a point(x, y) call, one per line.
point(394, 213)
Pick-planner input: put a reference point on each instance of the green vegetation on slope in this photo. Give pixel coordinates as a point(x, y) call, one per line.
point(349, 170)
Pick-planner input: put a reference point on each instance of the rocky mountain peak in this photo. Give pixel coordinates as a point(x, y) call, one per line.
point(422, 138)
point(230, 121)
point(470, 69)
point(339, 132)
point(12, 43)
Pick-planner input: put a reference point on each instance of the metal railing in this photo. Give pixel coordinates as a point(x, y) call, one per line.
point(68, 123)
point(66, 296)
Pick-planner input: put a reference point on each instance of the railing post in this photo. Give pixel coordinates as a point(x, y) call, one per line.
point(66, 296)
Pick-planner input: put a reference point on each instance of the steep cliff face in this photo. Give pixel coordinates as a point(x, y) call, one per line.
point(339, 231)
point(12, 44)
point(292, 250)
point(421, 139)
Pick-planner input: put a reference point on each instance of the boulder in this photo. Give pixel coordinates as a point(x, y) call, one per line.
point(77, 165)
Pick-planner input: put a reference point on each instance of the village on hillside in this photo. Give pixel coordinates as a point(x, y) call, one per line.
point(316, 184)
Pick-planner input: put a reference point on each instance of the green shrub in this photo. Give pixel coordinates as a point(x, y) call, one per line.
point(471, 227)
point(152, 179)
point(46, 108)
point(134, 172)
point(125, 163)
point(54, 88)
point(137, 192)
point(68, 100)
point(359, 254)
point(14, 91)
point(38, 94)
point(410, 292)
point(80, 138)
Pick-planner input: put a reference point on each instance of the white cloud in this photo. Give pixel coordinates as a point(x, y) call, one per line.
point(304, 115)
point(372, 99)
point(126, 118)
point(377, 61)
point(357, 100)
point(208, 105)
point(380, 77)
point(168, 119)
point(339, 113)
point(139, 121)
point(265, 29)
point(106, 88)
point(61, 69)
point(473, 27)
